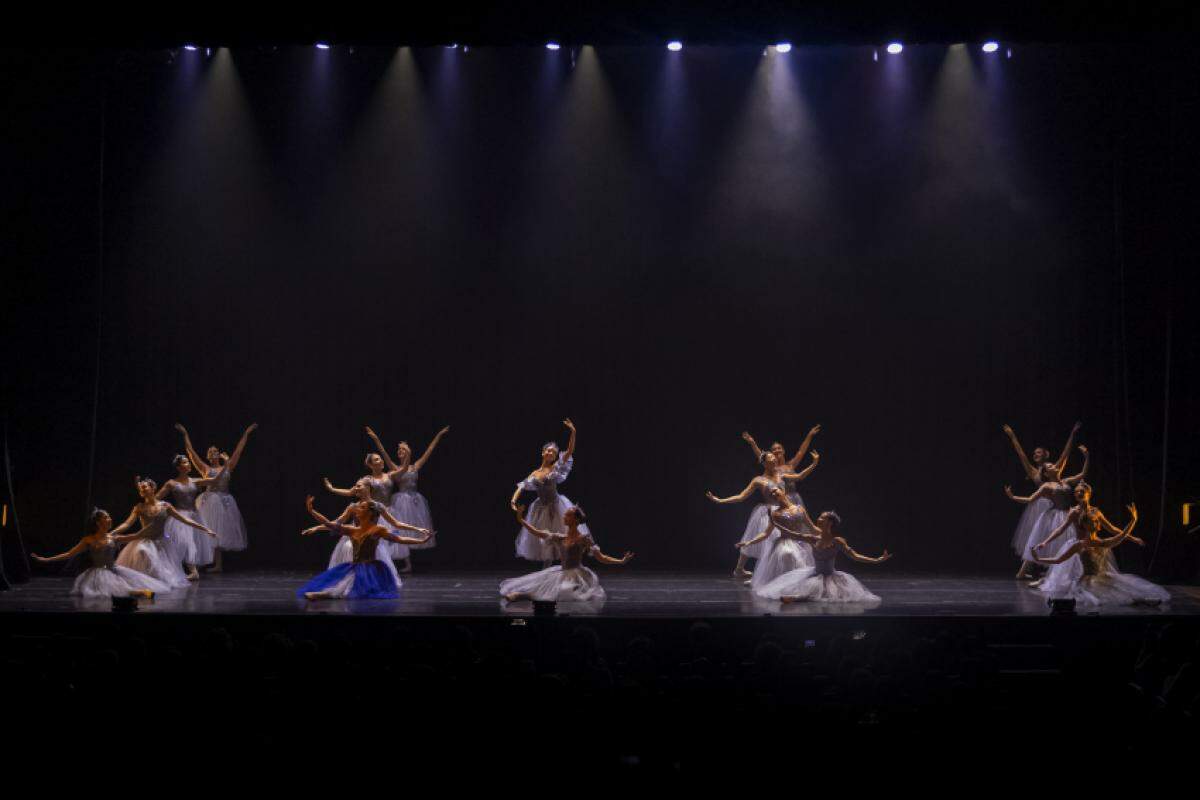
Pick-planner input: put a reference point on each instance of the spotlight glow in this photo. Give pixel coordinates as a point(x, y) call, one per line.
point(552, 45)
point(991, 47)
point(451, 46)
point(322, 45)
point(675, 46)
point(895, 48)
point(191, 48)
point(783, 47)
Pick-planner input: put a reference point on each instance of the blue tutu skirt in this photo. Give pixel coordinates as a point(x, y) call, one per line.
point(369, 579)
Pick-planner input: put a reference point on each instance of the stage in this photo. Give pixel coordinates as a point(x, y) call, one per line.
point(685, 595)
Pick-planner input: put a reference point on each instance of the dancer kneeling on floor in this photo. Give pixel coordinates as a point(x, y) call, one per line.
point(365, 575)
point(570, 580)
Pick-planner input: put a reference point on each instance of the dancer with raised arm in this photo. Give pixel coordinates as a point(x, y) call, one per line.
point(182, 491)
point(146, 550)
point(820, 582)
point(549, 508)
point(1054, 497)
point(367, 575)
point(216, 506)
point(765, 485)
point(786, 465)
point(408, 504)
point(104, 577)
point(1023, 535)
point(569, 581)
point(379, 488)
point(786, 552)
point(1085, 570)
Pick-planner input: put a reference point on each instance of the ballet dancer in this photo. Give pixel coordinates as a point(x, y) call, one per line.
point(182, 491)
point(368, 574)
point(785, 552)
point(785, 464)
point(1085, 570)
point(548, 510)
point(1054, 498)
point(1023, 535)
point(765, 483)
point(570, 580)
point(216, 506)
point(380, 489)
point(105, 578)
point(821, 581)
point(147, 550)
point(407, 503)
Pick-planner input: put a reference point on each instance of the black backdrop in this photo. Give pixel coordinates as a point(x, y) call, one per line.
point(668, 248)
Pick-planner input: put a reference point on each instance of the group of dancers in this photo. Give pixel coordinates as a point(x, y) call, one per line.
point(188, 522)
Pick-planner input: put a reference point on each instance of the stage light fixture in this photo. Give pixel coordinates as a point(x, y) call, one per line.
point(552, 45)
point(675, 46)
point(191, 48)
point(783, 47)
point(322, 45)
point(451, 46)
point(895, 48)
point(990, 47)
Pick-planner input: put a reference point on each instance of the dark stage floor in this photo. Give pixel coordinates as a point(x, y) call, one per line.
point(687, 595)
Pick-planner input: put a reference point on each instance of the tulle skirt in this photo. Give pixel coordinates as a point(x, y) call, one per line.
point(411, 507)
point(807, 584)
point(1109, 588)
point(181, 539)
point(150, 557)
point(787, 555)
point(556, 583)
point(760, 518)
point(1044, 525)
point(368, 579)
point(343, 553)
point(547, 517)
point(219, 511)
point(1023, 540)
point(115, 581)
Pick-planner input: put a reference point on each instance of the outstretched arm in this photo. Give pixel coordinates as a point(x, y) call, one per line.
point(1029, 468)
point(859, 557)
point(796, 459)
point(748, 439)
point(603, 559)
point(126, 525)
point(1041, 491)
point(1060, 530)
point(1121, 534)
point(571, 441)
point(395, 523)
point(1074, 479)
point(241, 446)
point(74, 551)
point(189, 522)
point(538, 532)
point(1066, 451)
point(761, 537)
point(192, 455)
point(391, 537)
point(804, 473)
point(1061, 557)
point(736, 498)
point(162, 491)
point(337, 491)
point(420, 463)
point(383, 453)
point(317, 515)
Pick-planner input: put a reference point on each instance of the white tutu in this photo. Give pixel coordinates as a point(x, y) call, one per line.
point(181, 539)
point(115, 581)
point(760, 518)
point(785, 556)
point(1023, 539)
point(343, 553)
point(219, 512)
point(1109, 587)
point(546, 517)
point(1044, 525)
point(807, 584)
point(411, 507)
point(150, 557)
point(555, 583)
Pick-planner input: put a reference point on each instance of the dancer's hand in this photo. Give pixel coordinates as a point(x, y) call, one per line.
point(1008, 430)
point(712, 497)
point(251, 429)
point(328, 485)
point(179, 427)
point(1132, 510)
point(740, 545)
point(886, 555)
point(1076, 427)
point(308, 501)
point(814, 430)
point(746, 437)
point(1008, 491)
point(1137, 541)
point(626, 558)
point(370, 432)
point(815, 456)
point(444, 431)
point(570, 425)
point(209, 532)
point(1083, 449)
point(519, 510)
point(41, 559)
